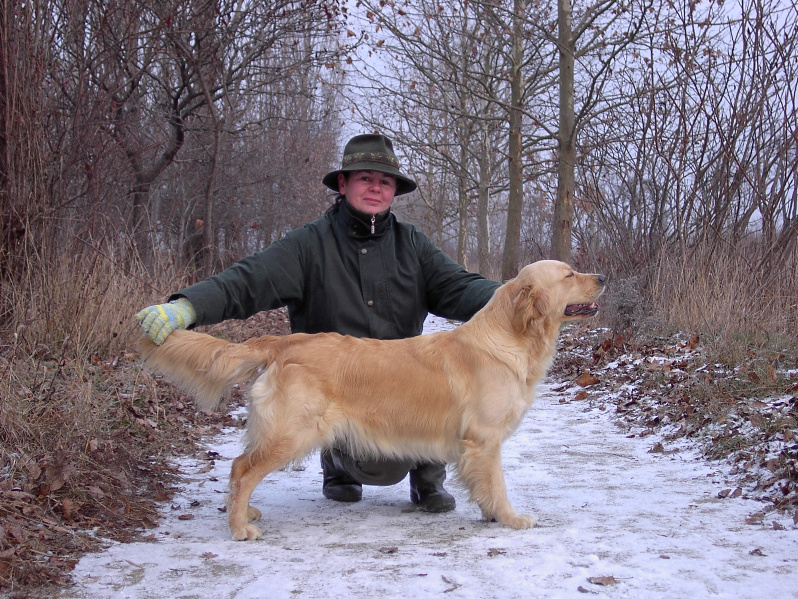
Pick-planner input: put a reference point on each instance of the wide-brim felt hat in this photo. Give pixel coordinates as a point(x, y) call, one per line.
point(371, 152)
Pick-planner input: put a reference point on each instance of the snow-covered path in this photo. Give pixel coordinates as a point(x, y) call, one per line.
point(606, 507)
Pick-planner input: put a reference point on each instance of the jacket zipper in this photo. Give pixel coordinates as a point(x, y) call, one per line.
point(373, 218)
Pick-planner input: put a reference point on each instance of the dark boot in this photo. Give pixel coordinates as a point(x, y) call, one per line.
point(426, 488)
point(338, 485)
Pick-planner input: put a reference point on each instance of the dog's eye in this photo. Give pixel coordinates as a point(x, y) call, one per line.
point(569, 275)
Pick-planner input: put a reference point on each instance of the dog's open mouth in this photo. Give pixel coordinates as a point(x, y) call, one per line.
point(581, 309)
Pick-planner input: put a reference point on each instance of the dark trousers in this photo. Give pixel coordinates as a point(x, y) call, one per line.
point(379, 472)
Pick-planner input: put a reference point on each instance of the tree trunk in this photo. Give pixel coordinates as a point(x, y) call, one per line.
point(140, 219)
point(462, 203)
point(209, 247)
point(483, 199)
point(6, 118)
point(512, 240)
point(563, 206)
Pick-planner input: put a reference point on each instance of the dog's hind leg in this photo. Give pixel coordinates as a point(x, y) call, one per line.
point(268, 454)
point(480, 469)
point(248, 470)
point(287, 420)
point(244, 477)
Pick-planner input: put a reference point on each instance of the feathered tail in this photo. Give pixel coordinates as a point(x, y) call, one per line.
point(204, 366)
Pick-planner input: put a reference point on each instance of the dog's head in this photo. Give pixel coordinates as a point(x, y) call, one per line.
point(553, 291)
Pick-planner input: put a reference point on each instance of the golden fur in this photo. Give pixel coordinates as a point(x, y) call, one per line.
point(452, 396)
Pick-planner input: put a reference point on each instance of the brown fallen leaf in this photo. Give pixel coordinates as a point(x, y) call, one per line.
point(771, 372)
point(586, 379)
point(694, 341)
point(185, 517)
point(69, 507)
point(17, 532)
point(604, 581)
point(389, 549)
point(18, 495)
point(8, 553)
point(35, 471)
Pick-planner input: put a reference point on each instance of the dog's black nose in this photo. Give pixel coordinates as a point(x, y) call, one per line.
point(601, 279)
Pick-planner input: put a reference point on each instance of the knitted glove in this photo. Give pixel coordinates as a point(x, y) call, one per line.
point(160, 320)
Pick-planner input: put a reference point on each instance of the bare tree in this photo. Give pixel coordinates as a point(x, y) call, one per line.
point(460, 52)
point(443, 44)
point(603, 31)
point(708, 160)
point(438, 128)
point(165, 64)
point(515, 201)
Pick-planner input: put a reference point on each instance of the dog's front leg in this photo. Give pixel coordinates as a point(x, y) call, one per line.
point(480, 468)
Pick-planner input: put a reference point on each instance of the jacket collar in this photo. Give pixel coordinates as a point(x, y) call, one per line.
point(359, 224)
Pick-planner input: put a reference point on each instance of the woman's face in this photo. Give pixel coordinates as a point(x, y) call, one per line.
point(371, 192)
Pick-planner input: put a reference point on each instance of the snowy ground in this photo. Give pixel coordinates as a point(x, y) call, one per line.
point(644, 524)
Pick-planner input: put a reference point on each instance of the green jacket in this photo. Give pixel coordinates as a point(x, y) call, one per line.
point(334, 275)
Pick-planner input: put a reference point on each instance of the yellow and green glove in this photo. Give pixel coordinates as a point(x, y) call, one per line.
point(160, 320)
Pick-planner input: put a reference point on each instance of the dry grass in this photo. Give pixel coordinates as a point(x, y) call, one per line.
point(86, 436)
point(80, 423)
point(732, 298)
point(78, 303)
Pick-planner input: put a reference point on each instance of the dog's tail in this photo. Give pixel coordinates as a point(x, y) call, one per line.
point(204, 366)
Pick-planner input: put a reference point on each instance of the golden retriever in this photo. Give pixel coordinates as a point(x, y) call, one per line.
point(452, 396)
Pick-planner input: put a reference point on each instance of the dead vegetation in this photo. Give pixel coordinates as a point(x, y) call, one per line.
point(744, 414)
point(86, 456)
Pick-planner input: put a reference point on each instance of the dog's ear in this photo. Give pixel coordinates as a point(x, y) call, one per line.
point(530, 304)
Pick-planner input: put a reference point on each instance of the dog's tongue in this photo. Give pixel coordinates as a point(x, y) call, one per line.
point(581, 309)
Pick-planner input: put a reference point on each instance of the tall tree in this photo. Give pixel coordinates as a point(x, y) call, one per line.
point(563, 203)
point(698, 155)
point(515, 202)
point(25, 57)
point(603, 31)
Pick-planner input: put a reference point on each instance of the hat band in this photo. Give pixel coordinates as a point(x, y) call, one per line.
point(369, 157)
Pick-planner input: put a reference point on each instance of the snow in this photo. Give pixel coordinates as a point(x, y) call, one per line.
point(606, 507)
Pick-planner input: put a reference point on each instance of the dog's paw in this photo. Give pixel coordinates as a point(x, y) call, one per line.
point(250, 532)
point(519, 521)
point(253, 513)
